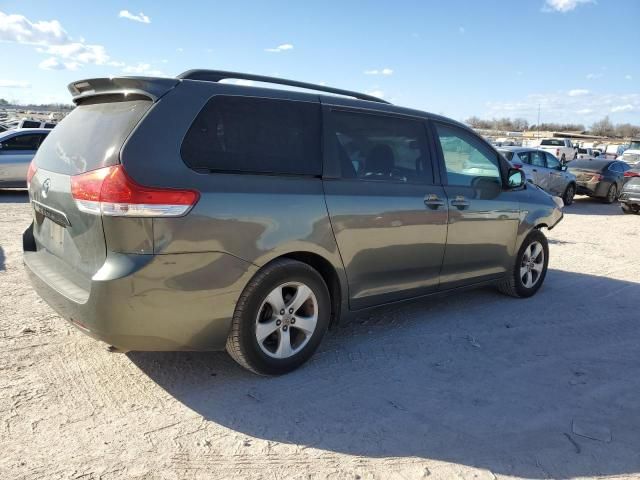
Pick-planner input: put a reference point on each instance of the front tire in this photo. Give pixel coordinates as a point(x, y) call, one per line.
point(569, 193)
point(280, 318)
point(530, 268)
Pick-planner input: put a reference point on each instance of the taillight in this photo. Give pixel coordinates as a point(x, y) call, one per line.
point(631, 173)
point(517, 165)
point(31, 172)
point(110, 191)
point(557, 152)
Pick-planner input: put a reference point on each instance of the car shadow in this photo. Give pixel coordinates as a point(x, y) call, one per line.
point(14, 195)
point(479, 379)
point(583, 205)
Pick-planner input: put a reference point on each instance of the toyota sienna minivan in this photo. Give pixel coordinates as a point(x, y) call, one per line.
point(193, 214)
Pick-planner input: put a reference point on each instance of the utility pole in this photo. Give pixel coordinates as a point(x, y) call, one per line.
point(538, 121)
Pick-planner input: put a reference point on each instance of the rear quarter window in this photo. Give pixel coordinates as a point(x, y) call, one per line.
point(255, 135)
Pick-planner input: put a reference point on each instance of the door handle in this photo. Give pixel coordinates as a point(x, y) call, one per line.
point(535, 169)
point(433, 201)
point(460, 202)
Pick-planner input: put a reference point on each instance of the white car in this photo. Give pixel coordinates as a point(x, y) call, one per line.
point(632, 154)
point(561, 148)
point(17, 149)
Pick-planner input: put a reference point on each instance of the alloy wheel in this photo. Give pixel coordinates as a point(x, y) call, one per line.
point(532, 264)
point(286, 320)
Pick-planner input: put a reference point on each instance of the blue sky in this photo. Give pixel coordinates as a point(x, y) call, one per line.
point(578, 59)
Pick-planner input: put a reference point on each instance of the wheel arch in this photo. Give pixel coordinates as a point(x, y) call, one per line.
point(328, 273)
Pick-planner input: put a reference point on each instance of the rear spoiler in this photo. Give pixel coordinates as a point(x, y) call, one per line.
point(152, 88)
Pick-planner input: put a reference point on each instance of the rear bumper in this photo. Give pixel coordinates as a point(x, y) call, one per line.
point(592, 189)
point(146, 302)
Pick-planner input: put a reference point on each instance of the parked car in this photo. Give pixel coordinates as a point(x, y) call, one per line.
point(599, 178)
point(544, 170)
point(587, 153)
point(17, 148)
point(632, 154)
point(633, 172)
point(630, 196)
point(202, 215)
point(562, 148)
point(614, 151)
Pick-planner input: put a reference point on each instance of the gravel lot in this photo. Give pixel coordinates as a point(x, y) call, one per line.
point(473, 386)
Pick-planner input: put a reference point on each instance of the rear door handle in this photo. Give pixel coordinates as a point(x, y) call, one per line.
point(460, 202)
point(433, 201)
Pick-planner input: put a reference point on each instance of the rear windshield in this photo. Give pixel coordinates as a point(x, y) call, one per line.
point(589, 164)
point(553, 143)
point(255, 135)
point(90, 137)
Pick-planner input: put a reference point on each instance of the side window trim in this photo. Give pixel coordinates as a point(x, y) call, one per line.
point(331, 164)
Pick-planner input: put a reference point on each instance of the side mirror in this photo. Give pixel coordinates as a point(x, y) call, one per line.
point(515, 178)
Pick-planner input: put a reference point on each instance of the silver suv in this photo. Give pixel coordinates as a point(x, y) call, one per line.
point(544, 170)
point(190, 214)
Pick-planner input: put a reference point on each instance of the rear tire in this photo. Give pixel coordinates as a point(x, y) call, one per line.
point(529, 269)
point(280, 318)
point(569, 193)
point(612, 194)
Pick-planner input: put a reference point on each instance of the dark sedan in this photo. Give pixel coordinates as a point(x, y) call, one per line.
point(599, 178)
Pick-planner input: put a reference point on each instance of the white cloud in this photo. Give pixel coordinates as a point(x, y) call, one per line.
point(144, 69)
point(383, 71)
point(14, 84)
point(50, 38)
point(564, 5)
point(280, 48)
point(578, 92)
point(52, 63)
point(140, 17)
point(376, 93)
point(593, 76)
point(19, 29)
point(560, 107)
point(623, 108)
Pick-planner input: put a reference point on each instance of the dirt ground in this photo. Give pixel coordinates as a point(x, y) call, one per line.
point(473, 386)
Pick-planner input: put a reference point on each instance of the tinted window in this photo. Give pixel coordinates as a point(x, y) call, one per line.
point(553, 143)
point(553, 162)
point(525, 157)
point(90, 137)
point(537, 158)
point(374, 147)
point(22, 142)
point(507, 154)
point(258, 135)
point(466, 158)
point(30, 124)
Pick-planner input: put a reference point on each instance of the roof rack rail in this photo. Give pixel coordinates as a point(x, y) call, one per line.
point(217, 75)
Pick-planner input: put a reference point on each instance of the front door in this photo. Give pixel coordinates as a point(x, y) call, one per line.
point(483, 217)
point(388, 216)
